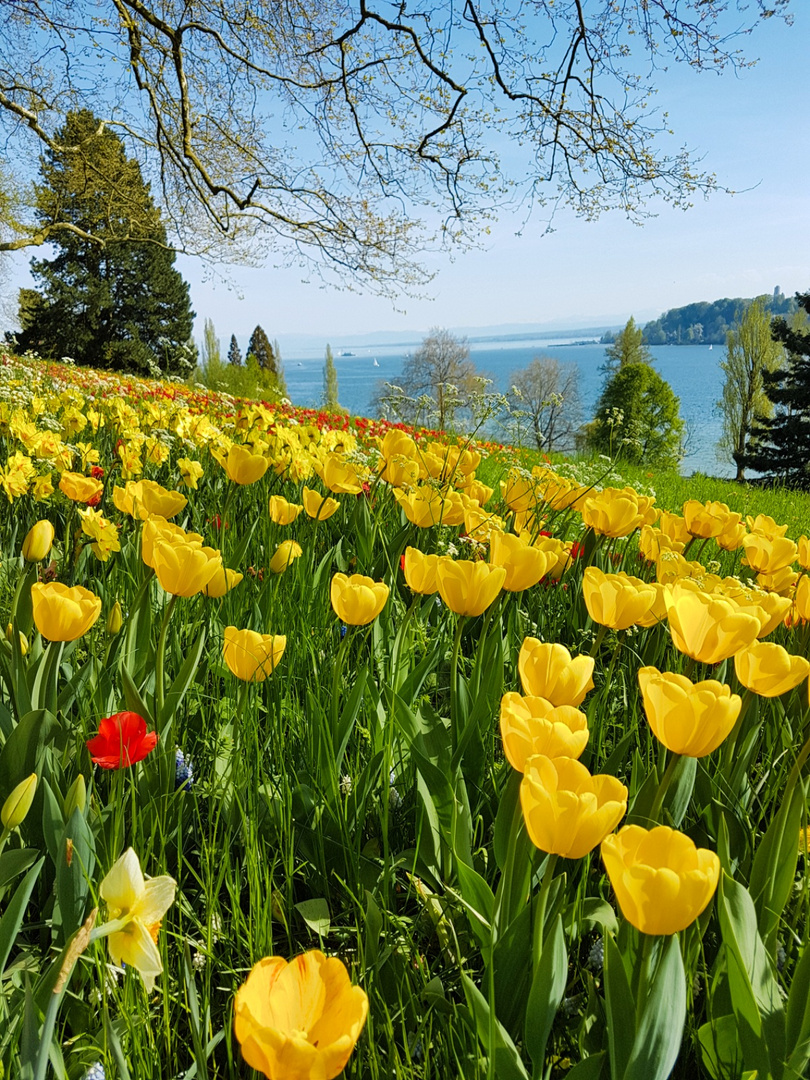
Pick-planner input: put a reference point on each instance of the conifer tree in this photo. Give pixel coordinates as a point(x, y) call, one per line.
point(260, 347)
point(121, 303)
point(330, 382)
point(234, 353)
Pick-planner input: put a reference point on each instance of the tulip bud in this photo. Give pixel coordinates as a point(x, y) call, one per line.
point(37, 543)
point(23, 639)
point(115, 619)
point(18, 803)
point(76, 798)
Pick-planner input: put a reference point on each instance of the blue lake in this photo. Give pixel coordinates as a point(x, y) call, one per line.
point(693, 371)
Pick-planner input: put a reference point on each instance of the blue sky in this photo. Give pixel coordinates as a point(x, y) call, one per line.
point(750, 127)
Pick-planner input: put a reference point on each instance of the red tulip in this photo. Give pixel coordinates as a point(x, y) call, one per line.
point(121, 741)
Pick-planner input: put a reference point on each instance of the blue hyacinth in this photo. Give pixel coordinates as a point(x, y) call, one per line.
point(95, 1072)
point(183, 772)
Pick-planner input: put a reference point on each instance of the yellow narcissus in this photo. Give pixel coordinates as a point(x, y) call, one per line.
point(420, 571)
point(357, 600)
point(143, 498)
point(468, 588)
point(158, 528)
point(63, 614)
point(136, 907)
point(38, 541)
point(531, 725)
point(243, 466)
point(184, 569)
point(616, 600)
point(567, 810)
point(688, 718)
point(617, 511)
point(222, 582)
point(299, 1020)
point(769, 670)
point(661, 880)
point(78, 488)
point(525, 565)
point(283, 512)
point(317, 506)
point(766, 555)
point(547, 670)
point(708, 627)
point(190, 472)
point(284, 556)
point(708, 519)
point(251, 656)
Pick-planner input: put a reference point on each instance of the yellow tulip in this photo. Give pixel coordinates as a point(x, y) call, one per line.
point(420, 571)
point(299, 1020)
point(557, 491)
point(22, 639)
point(766, 555)
point(781, 581)
point(283, 557)
point(481, 525)
point(341, 476)
point(658, 610)
point(184, 569)
point(567, 810)
point(688, 718)
point(399, 459)
point(801, 598)
point(525, 565)
point(562, 552)
point(547, 670)
point(674, 527)
point(531, 725)
point(661, 880)
point(115, 619)
point(478, 491)
point(708, 627)
point(357, 600)
point(708, 519)
point(145, 498)
point(769, 608)
point(243, 466)
point(283, 512)
point(652, 541)
point(672, 566)
point(468, 588)
point(616, 512)
point(80, 488)
point(37, 542)
point(732, 536)
point(15, 809)
point(158, 528)
point(616, 600)
point(63, 614)
point(769, 670)
point(222, 582)
point(318, 506)
point(136, 907)
point(423, 506)
point(765, 526)
point(251, 656)
point(803, 554)
point(190, 472)
point(518, 491)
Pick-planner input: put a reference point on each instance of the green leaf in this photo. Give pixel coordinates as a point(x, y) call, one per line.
point(620, 1008)
point(74, 871)
point(13, 863)
point(22, 752)
point(754, 992)
point(478, 899)
point(720, 1049)
point(132, 696)
point(15, 912)
point(680, 791)
point(374, 925)
point(315, 914)
point(797, 1030)
point(590, 1068)
point(348, 718)
point(53, 823)
point(774, 868)
point(179, 688)
point(508, 1065)
point(660, 1028)
point(548, 987)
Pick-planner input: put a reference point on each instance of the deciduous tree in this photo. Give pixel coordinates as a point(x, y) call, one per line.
point(627, 348)
point(546, 392)
point(437, 383)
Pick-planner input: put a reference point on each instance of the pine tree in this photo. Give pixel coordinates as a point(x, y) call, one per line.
point(780, 445)
point(119, 304)
point(330, 383)
point(260, 347)
point(234, 354)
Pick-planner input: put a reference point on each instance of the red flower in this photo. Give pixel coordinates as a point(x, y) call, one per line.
point(402, 562)
point(95, 500)
point(97, 472)
point(121, 741)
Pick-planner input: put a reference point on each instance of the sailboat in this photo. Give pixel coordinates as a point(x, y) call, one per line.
point(375, 362)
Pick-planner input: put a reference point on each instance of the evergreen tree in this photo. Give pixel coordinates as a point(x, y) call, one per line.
point(628, 348)
point(637, 418)
point(260, 347)
point(330, 382)
point(281, 382)
point(780, 445)
point(119, 303)
point(234, 354)
point(751, 352)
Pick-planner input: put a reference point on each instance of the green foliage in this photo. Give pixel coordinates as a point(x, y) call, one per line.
point(708, 323)
point(628, 347)
point(330, 383)
point(116, 301)
point(246, 380)
point(234, 352)
point(750, 353)
point(637, 418)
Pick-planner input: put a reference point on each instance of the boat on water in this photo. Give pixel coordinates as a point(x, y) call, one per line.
point(347, 354)
point(375, 362)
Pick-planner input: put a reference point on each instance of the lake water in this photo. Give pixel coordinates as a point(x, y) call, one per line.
point(693, 372)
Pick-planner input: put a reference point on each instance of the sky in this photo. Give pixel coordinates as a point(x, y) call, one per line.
point(749, 127)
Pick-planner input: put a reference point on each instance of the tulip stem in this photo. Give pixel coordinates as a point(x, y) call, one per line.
point(160, 656)
point(600, 635)
point(454, 717)
point(542, 901)
point(731, 741)
point(337, 671)
point(663, 787)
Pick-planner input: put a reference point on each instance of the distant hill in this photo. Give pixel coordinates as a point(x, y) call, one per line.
point(704, 322)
